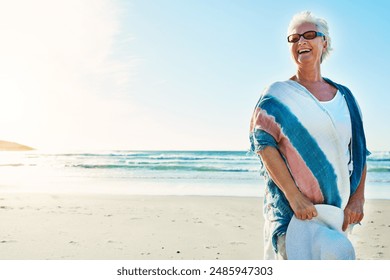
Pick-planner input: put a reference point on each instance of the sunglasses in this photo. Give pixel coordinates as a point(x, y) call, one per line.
point(308, 35)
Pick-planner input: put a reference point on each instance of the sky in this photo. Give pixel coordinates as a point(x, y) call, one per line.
point(172, 74)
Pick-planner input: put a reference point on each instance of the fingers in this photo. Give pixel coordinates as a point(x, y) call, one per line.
point(351, 217)
point(311, 213)
point(355, 219)
point(346, 222)
point(306, 214)
point(303, 208)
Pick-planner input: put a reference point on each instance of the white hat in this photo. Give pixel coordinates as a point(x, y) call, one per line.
point(320, 238)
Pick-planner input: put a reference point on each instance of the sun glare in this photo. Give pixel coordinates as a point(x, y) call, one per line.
point(53, 68)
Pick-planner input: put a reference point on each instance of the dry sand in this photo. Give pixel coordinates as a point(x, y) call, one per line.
point(12, 146)
point(79, 227)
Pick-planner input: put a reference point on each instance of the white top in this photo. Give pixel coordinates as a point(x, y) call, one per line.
point(320, 126)
point(338, 110)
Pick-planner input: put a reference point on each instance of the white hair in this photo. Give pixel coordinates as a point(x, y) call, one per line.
point(321, 24)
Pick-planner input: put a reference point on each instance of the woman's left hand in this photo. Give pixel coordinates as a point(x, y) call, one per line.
point(353, 212)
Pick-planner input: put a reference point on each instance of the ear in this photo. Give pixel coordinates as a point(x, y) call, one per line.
point(325, 44)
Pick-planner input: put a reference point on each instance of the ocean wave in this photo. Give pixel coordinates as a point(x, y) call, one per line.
point(383, 169)
point(185, 156)
point(165, 167)
point(378, 159)
point(18, 165)
point(12, 165)
point(379, 156)
point(160, 161)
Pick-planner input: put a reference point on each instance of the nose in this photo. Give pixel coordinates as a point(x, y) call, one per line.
point(302, 40)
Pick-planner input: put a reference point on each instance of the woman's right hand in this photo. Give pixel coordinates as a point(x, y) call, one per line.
point(303, 208)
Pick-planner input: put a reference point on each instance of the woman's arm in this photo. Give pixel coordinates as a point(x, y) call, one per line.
point(353, 212)
point(303, 208)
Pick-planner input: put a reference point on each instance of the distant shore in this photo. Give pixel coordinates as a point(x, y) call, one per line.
point(12, 146)
point(78, 227)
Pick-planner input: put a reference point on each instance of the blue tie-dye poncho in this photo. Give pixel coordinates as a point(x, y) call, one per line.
point(289, 118)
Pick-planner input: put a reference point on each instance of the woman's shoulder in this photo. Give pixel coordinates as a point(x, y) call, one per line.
point(275, 87)
point(338, 85)
point(347, 93)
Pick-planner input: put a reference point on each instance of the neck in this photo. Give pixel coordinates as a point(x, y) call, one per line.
point(312, 74)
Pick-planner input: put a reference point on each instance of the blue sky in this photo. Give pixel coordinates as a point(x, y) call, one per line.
point(172, 74)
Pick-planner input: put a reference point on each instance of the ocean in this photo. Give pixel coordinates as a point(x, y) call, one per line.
point(221, 173)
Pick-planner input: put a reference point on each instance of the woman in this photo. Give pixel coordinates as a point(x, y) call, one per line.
point(309, 135)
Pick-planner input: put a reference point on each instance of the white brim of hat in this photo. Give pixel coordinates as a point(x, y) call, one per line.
point(320, 238)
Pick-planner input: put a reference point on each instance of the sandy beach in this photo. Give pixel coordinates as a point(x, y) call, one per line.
point(113, 227)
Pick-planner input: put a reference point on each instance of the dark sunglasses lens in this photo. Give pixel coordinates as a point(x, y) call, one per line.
point(293, 38)
point(309, 35)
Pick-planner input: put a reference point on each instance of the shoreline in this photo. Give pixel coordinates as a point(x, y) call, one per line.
point(142, 227)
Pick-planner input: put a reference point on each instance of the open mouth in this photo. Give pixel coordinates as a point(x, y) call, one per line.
point(303, 51)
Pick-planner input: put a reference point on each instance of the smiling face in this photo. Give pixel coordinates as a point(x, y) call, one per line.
point(307, 52)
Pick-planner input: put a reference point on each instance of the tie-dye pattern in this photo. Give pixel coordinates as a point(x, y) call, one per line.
point(290, 119)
